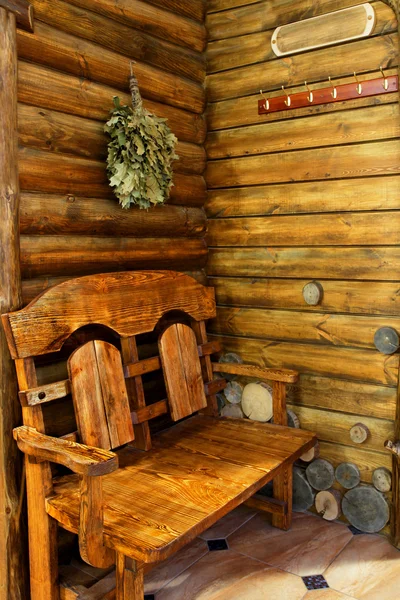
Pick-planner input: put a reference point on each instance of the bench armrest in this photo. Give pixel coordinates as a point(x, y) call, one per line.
point(84, 460)
point(283, 375)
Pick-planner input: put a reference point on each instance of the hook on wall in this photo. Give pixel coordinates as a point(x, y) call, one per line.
point(385, 80)
point(265, 99)
point(334, 90)
point(288, 100)
point(310, 96)
point(359, 86)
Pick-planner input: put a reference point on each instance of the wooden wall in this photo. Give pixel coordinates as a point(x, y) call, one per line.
point(309, 194)
point(69, 70)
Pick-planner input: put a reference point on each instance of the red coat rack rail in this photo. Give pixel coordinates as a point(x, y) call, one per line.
point(338, 93)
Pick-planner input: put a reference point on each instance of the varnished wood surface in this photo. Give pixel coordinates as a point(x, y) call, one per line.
point(47, 256)
point(182, 371)
point(214, 464)
point(22, 10)
point(81, 459)
point(319, 328)
point(103, 216)
point(99, 395)
point(46, 88)
point(128, 303)
point(281, 375)
point(156, 21)
point(366, 193)
point(47, 172)
point(355, 364)
point(194, 9)
point(240, 82)
point(346, 297)
point(66, 134)
point(117, 38)
point(13, 575)
point(258, 46)
point(240, 111)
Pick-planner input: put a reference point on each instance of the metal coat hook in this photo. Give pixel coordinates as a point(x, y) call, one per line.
point(334, 90)
point(359, 86)
point(288, 101)
point(310, 96)
point(385, 81)
point(266, 100)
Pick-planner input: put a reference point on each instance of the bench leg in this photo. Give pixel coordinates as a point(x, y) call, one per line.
point(283, 491)
point(129, 575)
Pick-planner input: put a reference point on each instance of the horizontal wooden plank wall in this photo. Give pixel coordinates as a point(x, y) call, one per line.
point(311, 193)
point(69, 70)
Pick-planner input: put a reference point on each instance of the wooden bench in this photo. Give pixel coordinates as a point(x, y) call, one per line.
point(132, 498)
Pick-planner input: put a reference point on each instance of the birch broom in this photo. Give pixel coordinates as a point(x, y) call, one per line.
point(140, 153)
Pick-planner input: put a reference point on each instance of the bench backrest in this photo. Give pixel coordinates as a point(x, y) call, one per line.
point(129, 304)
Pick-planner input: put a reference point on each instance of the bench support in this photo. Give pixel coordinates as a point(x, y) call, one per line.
point(130, 582)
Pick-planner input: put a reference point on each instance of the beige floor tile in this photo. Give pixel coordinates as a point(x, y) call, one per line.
point(167, 570)
point(307, 549)
point(368, 569)
point(228, 524)
point(326, 594)
point(228, 575)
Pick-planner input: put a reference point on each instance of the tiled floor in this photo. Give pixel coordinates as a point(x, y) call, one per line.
point(315, 560)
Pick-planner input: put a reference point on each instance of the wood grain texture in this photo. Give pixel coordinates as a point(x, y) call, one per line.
point(33, 287)
point(91, 543)
point(381, 298)
point(239, 17)
point(22, 10)
point(80, 458)
point(50, 173)
point(49, 256)
point(250, 79)
point(277, 375)
point(156, 21)
point(370, 263)
point(344, 396)
point(60, 133)
point(347, 363)
point(41, 86)
point(99, 395)
point(182, 371)
point(135, 388)
point(51, 47)
point(195, 9)
point(238, 112)
point(257, 47)
point(335, 427)
point(129, 579)
point(318, 328)
point(45, 393)
point(13, 548)
point(118, 38)
point(345, 127)
point(102, 216)
point(374, 193)
point(42, 557)
point(338, 229)
point(201, 462)
point(358, 160)
point(129, 303)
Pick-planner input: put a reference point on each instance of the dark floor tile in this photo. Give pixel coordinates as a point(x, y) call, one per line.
point(315, 582)
point(217, 545)
point(355, 531)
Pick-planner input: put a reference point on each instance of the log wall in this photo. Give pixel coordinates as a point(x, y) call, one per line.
point(307, 194)
point(70, 68)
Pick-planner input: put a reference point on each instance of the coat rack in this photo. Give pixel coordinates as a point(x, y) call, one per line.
point(338, 93)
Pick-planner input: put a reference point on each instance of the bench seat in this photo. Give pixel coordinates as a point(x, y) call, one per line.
point(196, 472)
